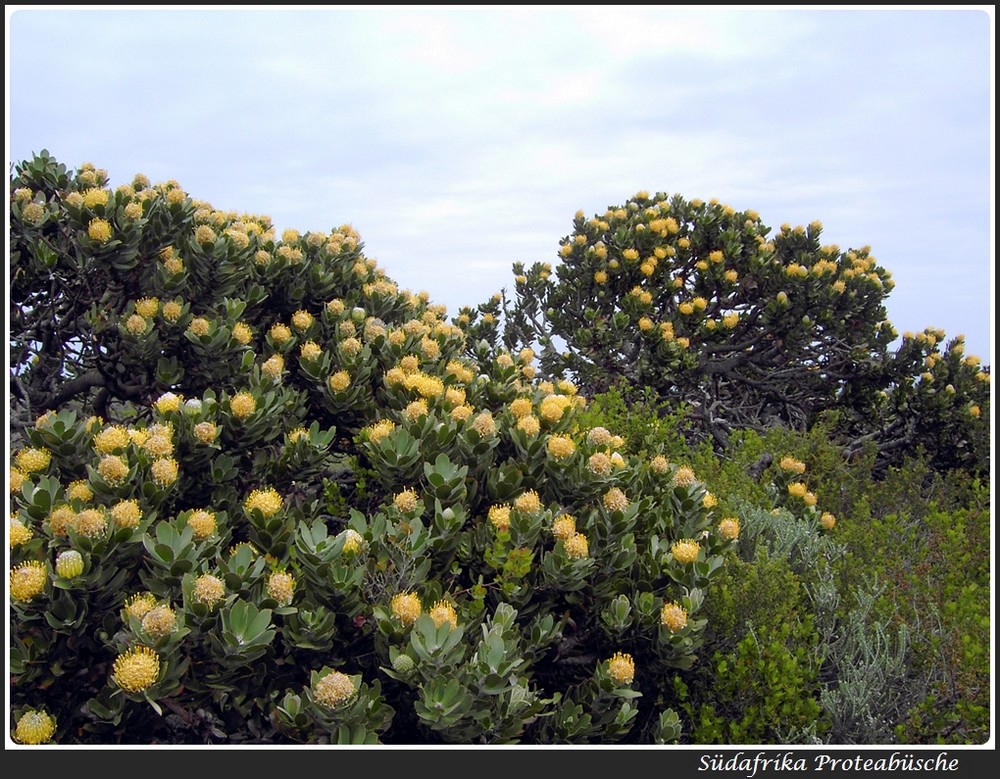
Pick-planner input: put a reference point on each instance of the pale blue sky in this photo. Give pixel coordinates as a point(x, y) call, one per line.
point(459, 141)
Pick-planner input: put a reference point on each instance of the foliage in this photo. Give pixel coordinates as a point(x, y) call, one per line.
point(259, 494)
point(741, 329)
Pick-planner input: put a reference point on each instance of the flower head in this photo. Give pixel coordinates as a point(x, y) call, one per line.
point(34, 727)
point(827, 520)
point(684, 477)
point(729, 528)
point(113, 469)
point(30, 460)
point(564, 527)
point(111, 439)
point(69, 564)
point(406, 501)
point(159, 621)
point(577, 547)
point(353, 541)
point(167, 402)
point(615, 500)
point(406, 607)
point(242, 405)
point(685, 551)
point(126, 514)
point(443, 612)
point(28, 580)
point(673, 616)
point(136, 669)
point(242, 333)
point(164, 471)
point(202, 523)
point(205, 432)
point(208, 590)
point(335, 689)
point(91, 522)
point(268, 502)
point(140, 604)
point(560, 447)
point(499, 516)
point(621, 668)
point(790, 464)
point(528, 503)
point(339, 381)
point(99, 230)
point(281, 587)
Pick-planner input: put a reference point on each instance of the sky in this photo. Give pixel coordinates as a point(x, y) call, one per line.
point(460, 140)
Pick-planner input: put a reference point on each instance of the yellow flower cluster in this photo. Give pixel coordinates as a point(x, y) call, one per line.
point(202, 523)
point(685, 551)
point(621, 668)
point(499, 516)
point(31, 460)
point(442, 613)
point(208, 590)
point(159, 621)
point(729, 528)
point(559, 447)
point(268, 502)
point(335, 689)
point(406, 501)
point(19, 533)
point(34, 727)
point(27, 580)
point(281, 587)
point(406, 607)
point(136, 669)
point(577, 546)
point(528, 503)
point(615, 500)
point(673, 616)
point(242, 405)
point(790, 464)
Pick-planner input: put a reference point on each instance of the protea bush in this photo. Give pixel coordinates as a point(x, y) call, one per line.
point(260, 494)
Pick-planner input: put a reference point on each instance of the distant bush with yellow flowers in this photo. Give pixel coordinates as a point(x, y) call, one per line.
point(261, 495)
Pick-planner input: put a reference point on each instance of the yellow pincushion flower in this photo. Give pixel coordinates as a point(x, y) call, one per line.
point(147, 307)
point(729, 528)
point(353, 541)
point(281, 587)
point(159, 444)
point(99, 230)
point(310, 351)
point(205, 432)
point(172, 311)
point(113, 469)
point(520, 407)
point(797, 489)
point(406, 501)
point(789, 463)
point(351, 347)
point(529, 425)
point(168, 402)
point(126, 514)
point(279, 333)
point(339, 381)
point(202, 523)
point(268, 502)
point(199, 326)
point(552, 407)
point(709, 501)
point(34, 727)
point(560, 447)
point(16, 481)
point(335, 689)
point(499, 516)
point(140, 604)
point(484, 424)
point(685, 551)
point(577, 547)
point(564, 527)
point(599, 463)
point(159, 621)
point(621, 668)
point(827, 520)
point(69, 564)
point(406, 607)
point(32, 460)
point(673, 616)
point(136, 325)
point(615, 500)
point(136, 669)
point(164, 471)
point(528, 503)
point(28, 580)
point(60, 519)
point(242, 333)
point(208, 590)
point(18, 532)
point(443, 612)
point(111, 439)
point(684, 477)
point(80, 490)
point(242, 405)
point(273, 367)
point(380, 430)
point(731, 319)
